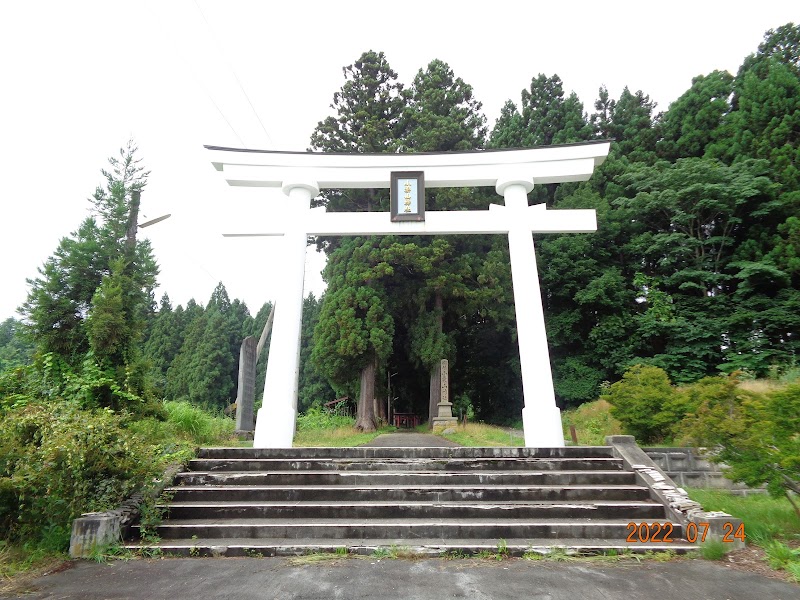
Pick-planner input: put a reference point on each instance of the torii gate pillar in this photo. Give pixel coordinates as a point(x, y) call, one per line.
point(276, 419)
point(541, 418)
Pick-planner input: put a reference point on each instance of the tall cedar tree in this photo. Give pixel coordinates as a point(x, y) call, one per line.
point(441, 115)
point(368, 109)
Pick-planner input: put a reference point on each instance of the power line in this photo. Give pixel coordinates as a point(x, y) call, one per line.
point(235, 76)
point(197, 79)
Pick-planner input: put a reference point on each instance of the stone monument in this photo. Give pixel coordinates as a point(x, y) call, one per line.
point(445, 419)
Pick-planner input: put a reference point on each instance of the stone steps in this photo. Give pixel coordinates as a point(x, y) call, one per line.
point(248, 547)
point(417, 478)
point(405, 453)
point(395, 464)
point(404, 510)
point(408, 529)
point(400, 493)
point(241, 501)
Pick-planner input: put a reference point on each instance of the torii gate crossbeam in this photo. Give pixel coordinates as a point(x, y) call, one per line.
point(512, 173)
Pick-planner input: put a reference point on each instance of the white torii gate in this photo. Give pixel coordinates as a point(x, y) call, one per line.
point(513, 173)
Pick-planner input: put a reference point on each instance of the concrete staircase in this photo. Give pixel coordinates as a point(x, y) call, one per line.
point(246, 502)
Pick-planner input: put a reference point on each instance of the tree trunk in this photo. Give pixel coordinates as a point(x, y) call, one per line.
point(380, 403)
point(366, 398)
point(436, 375)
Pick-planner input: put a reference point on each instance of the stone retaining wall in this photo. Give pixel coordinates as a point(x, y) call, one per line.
point(688, 467)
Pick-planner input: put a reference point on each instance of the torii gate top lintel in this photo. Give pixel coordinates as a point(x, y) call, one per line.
point(545, 164)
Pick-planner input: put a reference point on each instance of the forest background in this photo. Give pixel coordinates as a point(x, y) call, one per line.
point(694, 268)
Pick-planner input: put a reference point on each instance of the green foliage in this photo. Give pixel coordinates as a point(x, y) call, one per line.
point(317, 419)
point(755, 435)
point(713, 550)
point(58, 461)
point(694, 121)
point(354, 326)
point(205, 369)
point(546, 118)
point(15, 350)
point(592, 422)
point(440, 113)
point(314, 389)
point(646, 404)
point(95, 292)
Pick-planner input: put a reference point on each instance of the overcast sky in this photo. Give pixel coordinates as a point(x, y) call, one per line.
point(80, 78)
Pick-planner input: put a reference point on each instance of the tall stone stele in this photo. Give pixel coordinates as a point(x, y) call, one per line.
point(445, 419)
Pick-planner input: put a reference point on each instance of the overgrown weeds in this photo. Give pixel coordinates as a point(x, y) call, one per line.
point(770, 523)
point(592, 422)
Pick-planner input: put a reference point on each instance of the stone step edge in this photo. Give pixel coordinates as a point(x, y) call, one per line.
point(401, 548)
point(489, 521)
point(440, 473)
point(412, 460)
point(421, 503)
point(598, 486)
point(435, 452)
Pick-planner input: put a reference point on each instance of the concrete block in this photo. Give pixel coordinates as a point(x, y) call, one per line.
point(678, 461)
point(694, 479)
point(94, 531)
point(701, 464)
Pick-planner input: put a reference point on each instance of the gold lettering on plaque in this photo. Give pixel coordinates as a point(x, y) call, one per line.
point(407, 203)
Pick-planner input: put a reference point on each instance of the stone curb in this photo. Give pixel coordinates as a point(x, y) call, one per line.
point(705, 525)
point(96, 530)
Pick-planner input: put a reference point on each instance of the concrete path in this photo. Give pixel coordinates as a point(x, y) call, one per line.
point(428, 579)
point(410, 439)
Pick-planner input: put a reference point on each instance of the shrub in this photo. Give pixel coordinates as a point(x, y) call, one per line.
point(646, 404)
point(756, 435)
point(58, 461)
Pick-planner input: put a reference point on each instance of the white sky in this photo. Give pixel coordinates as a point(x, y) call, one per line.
point(78, 79)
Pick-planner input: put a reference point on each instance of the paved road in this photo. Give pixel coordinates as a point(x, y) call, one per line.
point(428, 579)
point(409, 439)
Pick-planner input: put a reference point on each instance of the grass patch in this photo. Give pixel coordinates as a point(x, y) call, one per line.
point(186, 422)
point(341, 437)
point(19, 566)
point(770, 523)
point(316, 557)
point(481, 434)
point(765, 518)
point(592, 422)
point(713, 550)
point(317, 428)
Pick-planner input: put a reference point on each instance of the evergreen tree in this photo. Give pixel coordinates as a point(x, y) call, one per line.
point(694, 121)
point(314, 389)
point(546, 118)
point(205, 370)
point(369, 108)
point(355, 329)
point(440, 113)
point(15, 350)
point(95, 292)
